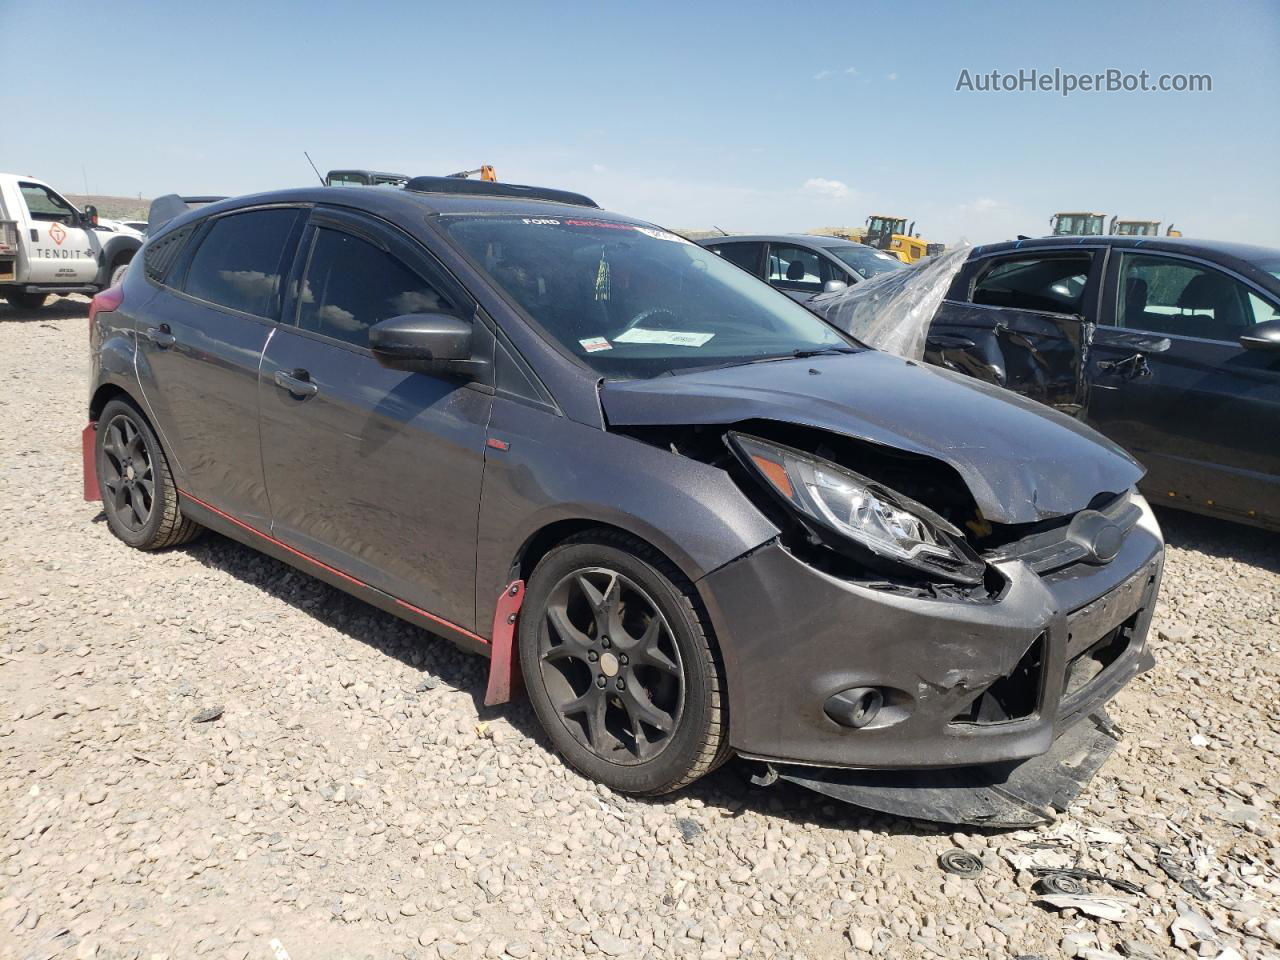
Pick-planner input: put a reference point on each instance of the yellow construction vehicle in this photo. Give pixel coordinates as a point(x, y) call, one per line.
point(1079, 224)
point(485, 172)
point(1140, 228)
point(885, 232)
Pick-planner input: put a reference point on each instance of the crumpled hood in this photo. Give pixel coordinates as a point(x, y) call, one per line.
point(1022, 461)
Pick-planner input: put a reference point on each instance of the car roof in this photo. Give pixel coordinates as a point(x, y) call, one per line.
point(1220, 248)
point(394, 203)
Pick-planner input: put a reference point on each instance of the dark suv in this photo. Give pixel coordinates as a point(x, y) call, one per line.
point(693, 516)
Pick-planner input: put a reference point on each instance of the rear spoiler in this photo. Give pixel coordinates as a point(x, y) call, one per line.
point(163, 209)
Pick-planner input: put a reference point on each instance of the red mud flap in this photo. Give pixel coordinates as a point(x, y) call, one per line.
point(504, 667)
point(89, 459)
point(1016, 795)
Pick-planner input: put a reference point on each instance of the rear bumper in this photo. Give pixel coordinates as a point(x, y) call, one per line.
point(792, 637)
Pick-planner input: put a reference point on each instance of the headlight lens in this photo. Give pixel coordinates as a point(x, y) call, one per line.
point(858, 510)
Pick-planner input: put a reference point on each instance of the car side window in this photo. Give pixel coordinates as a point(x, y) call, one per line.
point(237, 264)
point(744, 255)
point(1050, 284)
point(794, 268)
point(1179, 297)
point(45, 205)
point(350, 285)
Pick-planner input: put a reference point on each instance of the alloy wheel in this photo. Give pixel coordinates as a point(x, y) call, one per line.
point(128, 479)
point(611, 666)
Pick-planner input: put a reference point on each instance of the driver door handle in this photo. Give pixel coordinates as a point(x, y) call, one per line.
point(298, 383)
point(161, 336)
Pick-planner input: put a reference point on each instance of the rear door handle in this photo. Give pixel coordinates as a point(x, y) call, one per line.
point(297, 383)
point(161, 336)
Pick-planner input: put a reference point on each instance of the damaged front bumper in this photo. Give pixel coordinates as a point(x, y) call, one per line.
point(979, 685)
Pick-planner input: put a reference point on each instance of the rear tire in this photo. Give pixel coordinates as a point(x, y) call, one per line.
point(138, 492)
point(117, 274)
point(620, 665)
point(28, 301)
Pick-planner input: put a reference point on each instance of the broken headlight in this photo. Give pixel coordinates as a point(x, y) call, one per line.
point(845, 509)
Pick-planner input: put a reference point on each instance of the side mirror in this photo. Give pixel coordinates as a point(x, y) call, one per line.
point(425, 342)
point(834, 286)
point(90, 215)
point(1262, 336)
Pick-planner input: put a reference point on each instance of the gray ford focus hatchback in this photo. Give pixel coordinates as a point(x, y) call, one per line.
point(690, 518)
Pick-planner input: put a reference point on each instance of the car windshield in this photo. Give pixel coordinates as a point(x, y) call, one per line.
point(633, 301)
point(866, 261)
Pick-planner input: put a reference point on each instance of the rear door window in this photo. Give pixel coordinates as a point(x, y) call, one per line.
point(796, 268)
point(237, 264)
point(744, 255)
point(1187, 299)
point(1052, 284)
point(350, 285)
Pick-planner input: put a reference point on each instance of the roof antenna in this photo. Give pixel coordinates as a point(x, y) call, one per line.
point(722, 230)
point(313, 167)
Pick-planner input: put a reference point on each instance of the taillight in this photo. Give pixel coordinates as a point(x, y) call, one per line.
point(106, 301)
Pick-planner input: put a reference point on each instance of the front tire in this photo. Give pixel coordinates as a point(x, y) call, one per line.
point(138, 492)
point(117, 274)
point(620, 665)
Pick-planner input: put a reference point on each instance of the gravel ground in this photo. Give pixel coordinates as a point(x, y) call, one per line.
point(355, 799)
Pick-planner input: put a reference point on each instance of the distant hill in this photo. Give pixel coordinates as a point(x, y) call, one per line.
point(114, 208)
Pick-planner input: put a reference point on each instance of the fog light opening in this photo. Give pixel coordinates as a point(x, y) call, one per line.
point(855, 707)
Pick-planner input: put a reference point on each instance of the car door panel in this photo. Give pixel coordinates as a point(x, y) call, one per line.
point(62, 249)
point(201, 388)
point(1198, 419)
point(197, 364)
point(375, 472)
point(1034, 353)
point(1009, 320)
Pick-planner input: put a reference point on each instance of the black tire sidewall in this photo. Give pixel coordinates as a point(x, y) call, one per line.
point(120, 268)
point(139, 538)
point(686, 746)
point(28, 301)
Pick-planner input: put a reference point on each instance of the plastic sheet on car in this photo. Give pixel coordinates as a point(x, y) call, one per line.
point(892, 311)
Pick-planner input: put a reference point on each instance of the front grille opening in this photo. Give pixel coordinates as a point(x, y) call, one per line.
point(1015, 696)
point(1088, 665)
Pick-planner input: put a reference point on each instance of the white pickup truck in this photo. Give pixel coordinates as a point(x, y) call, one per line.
point(48, 246)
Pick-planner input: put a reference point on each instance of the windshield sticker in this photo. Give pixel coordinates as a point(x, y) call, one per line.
point(594, 344)
point(671, 338)
point(661, 235)
point(886, 256)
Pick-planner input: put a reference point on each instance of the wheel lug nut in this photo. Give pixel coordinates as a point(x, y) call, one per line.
point(593, 656)
point(622, 685)
point(605, 642)
point(601, 681)
point(623, 659)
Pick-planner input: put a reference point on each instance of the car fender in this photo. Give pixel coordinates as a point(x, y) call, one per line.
point(547, 477)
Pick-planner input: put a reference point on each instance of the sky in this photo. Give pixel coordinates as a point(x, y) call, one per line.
point(748, 116)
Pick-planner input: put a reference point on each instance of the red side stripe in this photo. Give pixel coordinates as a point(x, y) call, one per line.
point(334, 570)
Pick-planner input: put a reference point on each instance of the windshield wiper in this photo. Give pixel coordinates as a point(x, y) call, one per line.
point(793, 355)
point(804, 354)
